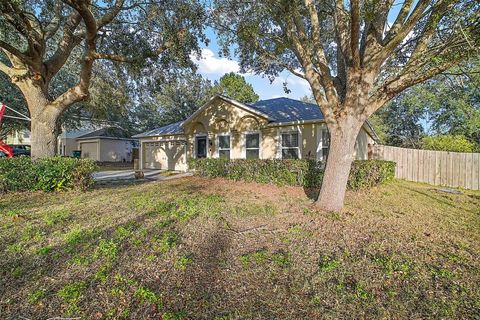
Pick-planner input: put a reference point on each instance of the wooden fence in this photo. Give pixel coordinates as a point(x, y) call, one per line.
point(442, 168)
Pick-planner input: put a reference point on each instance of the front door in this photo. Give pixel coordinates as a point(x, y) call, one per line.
point(201, 147)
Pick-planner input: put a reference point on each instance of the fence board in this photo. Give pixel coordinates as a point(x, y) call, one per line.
point(476, 171)
point(434, 167)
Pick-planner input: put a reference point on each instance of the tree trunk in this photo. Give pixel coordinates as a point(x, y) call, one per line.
point(340, 156)
point(44, 134)
point(44, 117)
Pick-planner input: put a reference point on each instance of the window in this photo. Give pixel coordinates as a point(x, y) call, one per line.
point(290, 149)
point(325, 143)
point(224, 147)
point(252, 146)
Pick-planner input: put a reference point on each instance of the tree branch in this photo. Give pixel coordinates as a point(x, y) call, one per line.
point(65, 47)
point(355, 32)
point(390, 89)
point(80, 91)
point(5, 69)
point(54, 25)
point(14, 51)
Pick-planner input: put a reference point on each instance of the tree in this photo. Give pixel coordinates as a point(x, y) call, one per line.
point(447, 104)
point(403, 120)
point(175, 100)
point(453, 143)
point(308, 99)
point(353, 55)
point(42, 38)
point(234, 86)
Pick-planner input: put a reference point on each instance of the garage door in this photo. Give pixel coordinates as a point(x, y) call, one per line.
point(164, 155)
point(89, 150)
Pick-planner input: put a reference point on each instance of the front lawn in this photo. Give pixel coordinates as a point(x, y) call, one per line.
point(198, 248)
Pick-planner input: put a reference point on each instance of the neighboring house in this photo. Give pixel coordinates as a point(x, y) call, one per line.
point(18, 137)
point(67, 141)
point(107, 145)
point(279, 128)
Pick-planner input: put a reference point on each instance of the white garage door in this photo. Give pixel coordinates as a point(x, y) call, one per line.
point(164, 155)
point(89, 150)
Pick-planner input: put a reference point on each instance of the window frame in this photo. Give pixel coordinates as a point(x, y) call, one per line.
point(281, 132)
point(322, 132)
point(218, 149)
point(244, 144)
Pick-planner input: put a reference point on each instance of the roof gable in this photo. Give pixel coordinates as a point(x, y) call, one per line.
point(235, 103)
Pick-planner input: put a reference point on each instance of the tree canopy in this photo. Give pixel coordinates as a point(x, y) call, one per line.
point(448, 104)
point(51, 47)
point(236, 87)
point(356, 56)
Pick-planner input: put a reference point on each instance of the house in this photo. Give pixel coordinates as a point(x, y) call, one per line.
point(67, 141)
point(278, 128)
point(107, 145)
point(18, 137)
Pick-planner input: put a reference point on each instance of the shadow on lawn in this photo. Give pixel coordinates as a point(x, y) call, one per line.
point(195, 289)
point(440, 198)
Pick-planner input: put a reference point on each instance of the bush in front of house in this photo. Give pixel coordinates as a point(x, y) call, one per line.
point(279, 172)
point(369, 173)
point(307, 173)
point(48, 174)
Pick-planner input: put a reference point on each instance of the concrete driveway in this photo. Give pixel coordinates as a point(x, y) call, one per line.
point(121, 174)
point(114, 175)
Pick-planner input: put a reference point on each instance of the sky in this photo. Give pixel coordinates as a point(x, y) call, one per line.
point(212, 66)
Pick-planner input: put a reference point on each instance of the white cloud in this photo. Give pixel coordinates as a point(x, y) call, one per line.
point(209, 64)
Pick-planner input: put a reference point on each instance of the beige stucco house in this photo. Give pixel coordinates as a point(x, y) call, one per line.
point(279, 128)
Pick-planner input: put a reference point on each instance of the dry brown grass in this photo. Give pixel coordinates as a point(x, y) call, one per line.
point(215, 249)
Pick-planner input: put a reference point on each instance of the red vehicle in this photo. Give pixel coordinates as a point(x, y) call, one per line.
point(5, 148)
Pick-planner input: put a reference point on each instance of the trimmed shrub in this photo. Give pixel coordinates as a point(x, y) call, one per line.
point(16, 174)
point(48, 174)
point(306, 173)
point(369, 173)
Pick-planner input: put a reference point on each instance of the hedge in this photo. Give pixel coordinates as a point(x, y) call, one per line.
point(48, 174)
point(306, 173)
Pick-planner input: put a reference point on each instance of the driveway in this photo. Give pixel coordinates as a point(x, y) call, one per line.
point(122, 174)
point(114, 175)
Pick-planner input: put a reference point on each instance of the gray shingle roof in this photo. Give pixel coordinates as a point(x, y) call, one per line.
point(172, 128)
point(287, 110)
point(110, 132)
point(277, 110)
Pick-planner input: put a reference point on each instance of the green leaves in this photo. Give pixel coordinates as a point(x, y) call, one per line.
point(234, 86)
point(453, 143)
point(48, 174)
point(306, 173)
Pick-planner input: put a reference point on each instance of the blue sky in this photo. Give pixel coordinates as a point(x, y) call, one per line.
point(212, 67)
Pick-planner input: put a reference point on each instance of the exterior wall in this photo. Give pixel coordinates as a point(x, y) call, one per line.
point(66, 146)
point(361, 145)
point(222, 118)
point(18, 137)
point(115, 150)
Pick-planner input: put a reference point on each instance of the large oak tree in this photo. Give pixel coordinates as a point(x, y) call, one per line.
point(41, 38)
point(356, 55)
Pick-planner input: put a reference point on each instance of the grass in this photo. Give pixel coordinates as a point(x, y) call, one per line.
point(195, 248)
